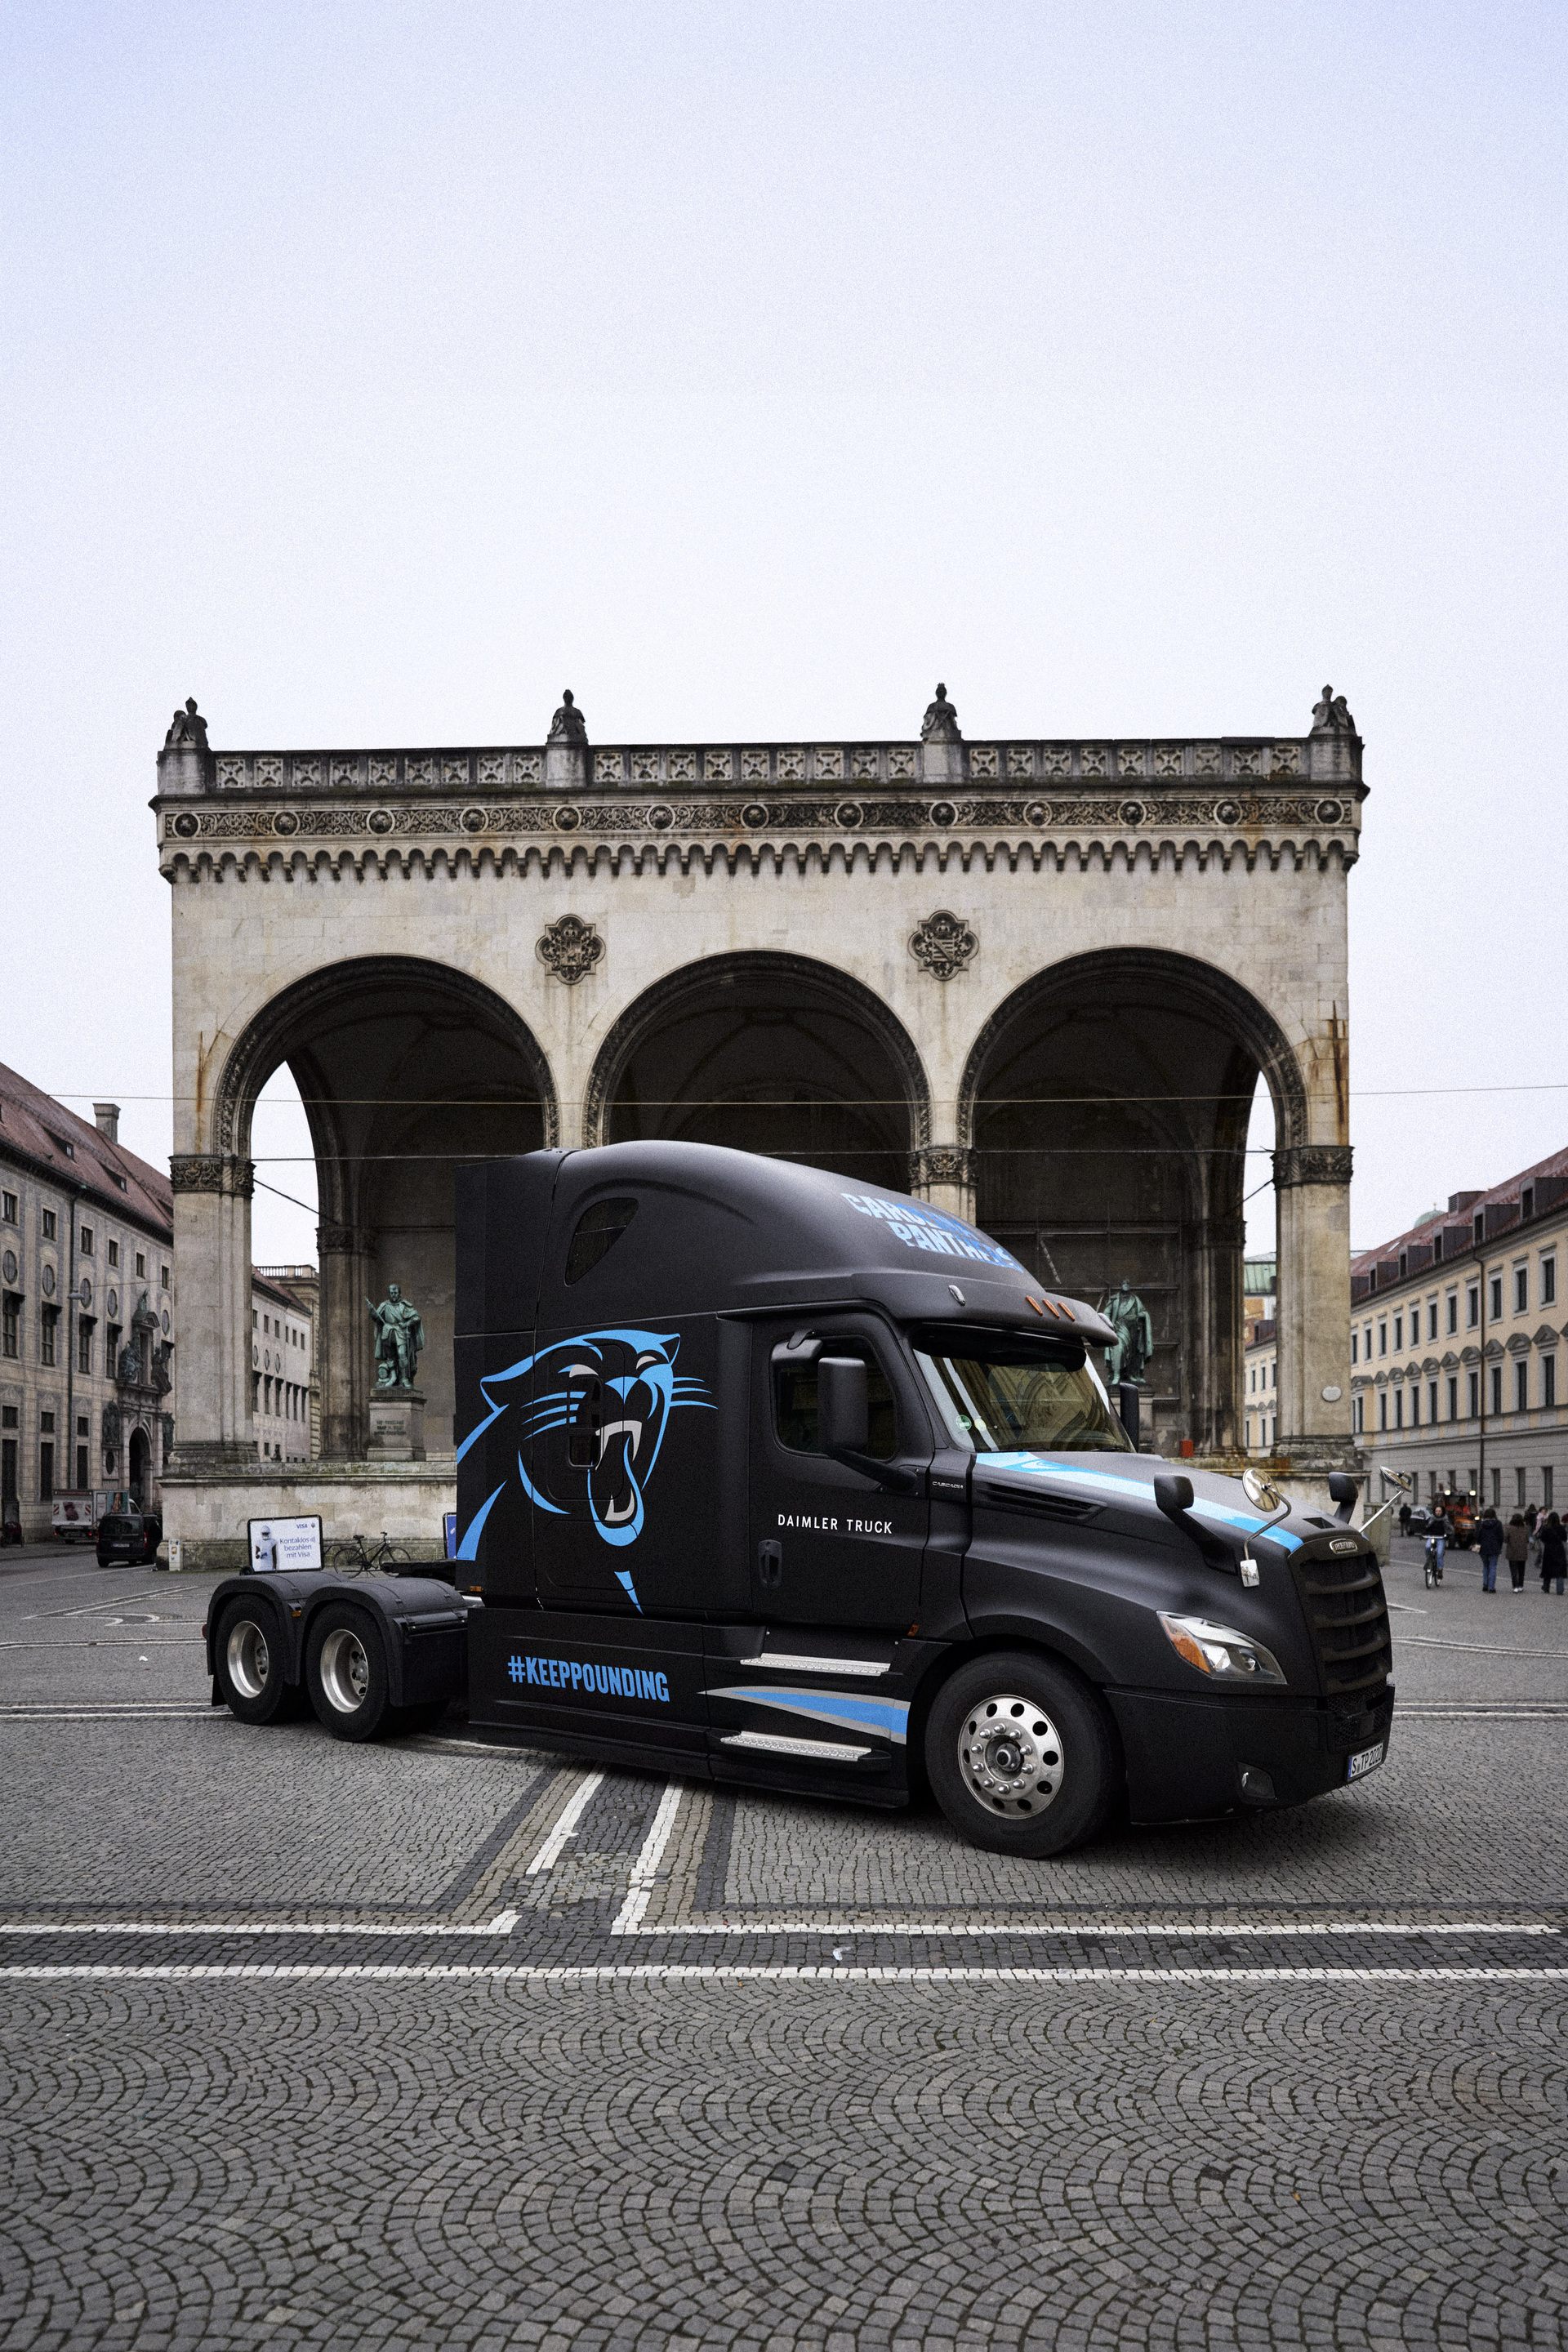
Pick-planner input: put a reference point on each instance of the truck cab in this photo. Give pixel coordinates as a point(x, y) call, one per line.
point(775, 1478)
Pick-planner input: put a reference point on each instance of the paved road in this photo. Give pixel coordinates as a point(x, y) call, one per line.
point(429, 2045)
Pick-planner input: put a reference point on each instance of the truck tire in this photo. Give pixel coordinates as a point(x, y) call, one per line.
point(1020, 1757)
point(345, 1673)
point(249, 1655)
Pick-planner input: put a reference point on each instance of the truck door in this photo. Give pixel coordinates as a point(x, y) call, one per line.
point(829, 1546)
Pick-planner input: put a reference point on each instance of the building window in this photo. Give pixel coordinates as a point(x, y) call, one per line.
point(1431, 1319)
point(1497, 1389)
point(1548, 1281)
point(1546, 1488)
point(1475, 1404)
point(48, 1224)
point(111, 1348)
point(1399, 1408)
point(1358, 1416)
point(1355, 1345)
point(1473, 1305)
point(84, 1346)
point(87, 1240)
point(255, 1319)
point(48, 1328)
point(8, 1469)
point(11, 1325)
point(162, 1278)
point(82, 1479)
point(114, 1253)
point(1521, 1385)
point(47, 1470)
point(1518, 1488)
point(1479, 1225)
point(140, 1265)
point(1549, 1379)
point(1495, 1310)
point(1453, 1310)
point(1497, 1489)
point(255, 1393)
point(1382, 1409)
point(1252, 1380)
point(1431, 1400)
point(1453, 1397)
point(1527, 1204)
point(1415, 1404)
point(1274, 1375)
point(1521, 1289)
point(1382, 1339)
point(8, 1207)
point(1398, 1333)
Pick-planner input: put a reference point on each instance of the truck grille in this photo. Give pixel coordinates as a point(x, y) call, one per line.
point(1348, 1616)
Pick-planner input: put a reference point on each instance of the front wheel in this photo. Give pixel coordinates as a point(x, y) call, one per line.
point(345, 1673)
point(1020, 1757)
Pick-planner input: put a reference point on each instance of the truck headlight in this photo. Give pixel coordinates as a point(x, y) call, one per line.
point(1220, 1651)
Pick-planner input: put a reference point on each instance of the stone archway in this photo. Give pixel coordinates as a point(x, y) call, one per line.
point(406, 1069)
point(767, 1052)
point(139, 1468)
point(1106, 1103)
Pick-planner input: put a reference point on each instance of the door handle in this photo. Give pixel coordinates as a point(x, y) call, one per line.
point(770, 1566)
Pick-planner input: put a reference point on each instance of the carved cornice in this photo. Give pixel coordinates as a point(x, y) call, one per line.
point(1311, 1163)
point(212, 1172)
point(344, 1241)
point(232, 819)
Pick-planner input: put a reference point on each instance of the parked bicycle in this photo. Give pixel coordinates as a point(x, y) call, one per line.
point(356, 1556)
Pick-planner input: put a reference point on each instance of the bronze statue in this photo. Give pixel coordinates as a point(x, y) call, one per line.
point(568, 726)
point(1128, 1360)
point(400, 1335)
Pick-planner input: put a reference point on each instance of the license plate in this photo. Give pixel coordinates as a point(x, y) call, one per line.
point(1365, 1759)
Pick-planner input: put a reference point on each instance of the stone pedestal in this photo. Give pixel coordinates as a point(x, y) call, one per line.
point(396, 1425)
point(566, 767)
point(942, 763)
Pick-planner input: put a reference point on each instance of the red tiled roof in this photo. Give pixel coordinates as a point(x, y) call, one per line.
point(1554, 1164)
point(34, 1126)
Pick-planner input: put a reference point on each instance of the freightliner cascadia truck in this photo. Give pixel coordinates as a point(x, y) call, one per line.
point(774, 1479)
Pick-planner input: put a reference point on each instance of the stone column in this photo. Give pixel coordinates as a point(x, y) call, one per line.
point(1313, 1187)
point(944, 1174)
point(343, 1340)
point(212, 1287)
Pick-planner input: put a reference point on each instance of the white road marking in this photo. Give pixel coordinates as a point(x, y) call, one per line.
point(679, 1972)
point(549, 1852)
point(639, 1887)
point(199, 1714)
point(1490, 1649)
point(505, 1921)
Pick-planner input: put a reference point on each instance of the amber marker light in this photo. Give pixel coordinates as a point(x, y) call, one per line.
point(1065, 1309)
point(1036, 1304)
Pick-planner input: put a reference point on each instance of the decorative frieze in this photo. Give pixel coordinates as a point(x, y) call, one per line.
point(212, 1172)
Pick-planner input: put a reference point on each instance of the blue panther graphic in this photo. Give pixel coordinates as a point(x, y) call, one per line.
point(593, 1412)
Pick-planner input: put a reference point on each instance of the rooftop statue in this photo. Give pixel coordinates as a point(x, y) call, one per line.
point(1329, 717)
point(399, 1336)
point(568, 726)
point(939, 724)
point(187, 727)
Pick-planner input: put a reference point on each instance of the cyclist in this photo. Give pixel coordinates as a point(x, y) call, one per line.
point(1436, 1544)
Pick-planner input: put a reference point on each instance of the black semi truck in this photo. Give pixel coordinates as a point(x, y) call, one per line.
point(771, 1478)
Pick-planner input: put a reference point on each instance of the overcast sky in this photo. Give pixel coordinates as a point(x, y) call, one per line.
point(371, 371)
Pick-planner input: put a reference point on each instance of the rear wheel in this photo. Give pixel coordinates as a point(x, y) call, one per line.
point(1020, 1756)
point(345, 1674)
point(250, 1671)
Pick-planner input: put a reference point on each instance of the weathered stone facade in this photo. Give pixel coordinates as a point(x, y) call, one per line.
point(1034, 981)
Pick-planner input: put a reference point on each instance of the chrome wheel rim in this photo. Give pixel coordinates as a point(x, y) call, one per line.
point(1010, 1755)
point(246, 1658)
point(345, 1670)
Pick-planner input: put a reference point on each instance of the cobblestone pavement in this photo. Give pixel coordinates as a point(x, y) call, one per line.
point(428, 2043)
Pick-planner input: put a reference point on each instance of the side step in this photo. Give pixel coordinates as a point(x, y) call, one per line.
point(778, 1743)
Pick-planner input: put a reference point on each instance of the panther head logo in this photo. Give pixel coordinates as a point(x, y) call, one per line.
point(592, 1415)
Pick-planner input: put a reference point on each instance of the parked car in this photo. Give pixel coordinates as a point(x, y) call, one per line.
point(128, 1539)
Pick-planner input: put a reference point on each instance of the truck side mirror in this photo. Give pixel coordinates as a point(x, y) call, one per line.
point(1344, 1490)
point(843, 1412)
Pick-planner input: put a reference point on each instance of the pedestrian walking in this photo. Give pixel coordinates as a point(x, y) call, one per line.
point(1404, 1518)
point(1516, 1544)
point(1553, 1552)
point(1489, 1538)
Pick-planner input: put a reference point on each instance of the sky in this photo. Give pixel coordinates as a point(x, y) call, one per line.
point(371, 372)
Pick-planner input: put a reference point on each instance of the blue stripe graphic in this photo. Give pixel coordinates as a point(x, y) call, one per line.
point(887, 1717)
point(1122, 1489)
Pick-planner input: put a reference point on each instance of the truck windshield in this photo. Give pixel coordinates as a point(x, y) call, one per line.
point(1002, 1394)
